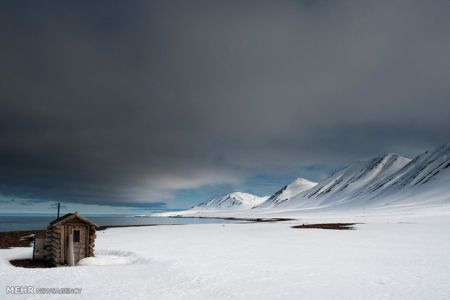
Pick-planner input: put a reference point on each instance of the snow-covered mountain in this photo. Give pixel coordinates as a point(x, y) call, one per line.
point(345, 184)
point(388, 180)
point(426, 179)
point(289, 191)
point(236, 200)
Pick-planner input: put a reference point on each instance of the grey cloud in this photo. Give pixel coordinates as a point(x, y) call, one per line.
point(115, 102)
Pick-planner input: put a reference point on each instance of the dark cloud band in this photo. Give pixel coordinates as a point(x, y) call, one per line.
point(114, 102)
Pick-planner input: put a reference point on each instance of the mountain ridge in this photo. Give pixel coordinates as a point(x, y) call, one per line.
point(290, 190)
point(234, 200)
point(388, 179)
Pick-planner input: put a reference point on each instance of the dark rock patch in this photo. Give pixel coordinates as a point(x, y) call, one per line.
point(334, 226)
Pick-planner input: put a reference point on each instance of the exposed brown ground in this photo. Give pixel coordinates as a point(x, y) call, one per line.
point(18, 238)
point(103, 227)
point(31, 263)
point(335, 226)
point(239, 219)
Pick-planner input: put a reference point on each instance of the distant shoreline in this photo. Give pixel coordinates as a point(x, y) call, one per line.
point(237, 219)
point(24, 238)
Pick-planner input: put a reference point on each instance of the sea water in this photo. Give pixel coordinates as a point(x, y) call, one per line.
point(32, 222)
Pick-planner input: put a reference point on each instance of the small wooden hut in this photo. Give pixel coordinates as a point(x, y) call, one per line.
point(67, 240)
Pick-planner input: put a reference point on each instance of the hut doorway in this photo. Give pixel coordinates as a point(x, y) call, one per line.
point(79, 235)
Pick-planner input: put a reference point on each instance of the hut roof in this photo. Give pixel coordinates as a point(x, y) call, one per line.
point(71, 216)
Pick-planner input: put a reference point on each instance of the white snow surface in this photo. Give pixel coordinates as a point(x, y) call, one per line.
point(388, 256)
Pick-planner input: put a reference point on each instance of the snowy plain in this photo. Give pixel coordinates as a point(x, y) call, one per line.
point(388, 256)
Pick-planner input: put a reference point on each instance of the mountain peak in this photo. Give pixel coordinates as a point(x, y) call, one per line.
point(387, 178)
point(390, 156)
point(301, 180)
point(239, 194)
point(289, 191)
point(235, 200)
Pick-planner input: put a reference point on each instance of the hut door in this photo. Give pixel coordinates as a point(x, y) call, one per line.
point(79, 241)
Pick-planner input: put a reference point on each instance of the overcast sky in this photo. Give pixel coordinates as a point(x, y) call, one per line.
point(153, 104)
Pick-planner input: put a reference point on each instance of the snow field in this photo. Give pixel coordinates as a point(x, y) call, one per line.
point(385, 258)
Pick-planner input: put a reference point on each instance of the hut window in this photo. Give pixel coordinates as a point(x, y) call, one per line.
point(76, 236)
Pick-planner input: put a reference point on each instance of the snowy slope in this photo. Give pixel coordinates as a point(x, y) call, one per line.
point(426, 179)
point(236, 200)
point(347, 183)
point(389, 181)
point(289, 191)
point(386, 182)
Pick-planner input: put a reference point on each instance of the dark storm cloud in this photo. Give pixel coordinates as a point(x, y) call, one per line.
point(125, 102)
